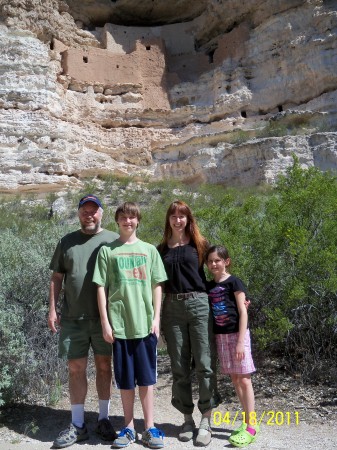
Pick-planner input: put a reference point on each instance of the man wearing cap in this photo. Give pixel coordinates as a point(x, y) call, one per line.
point(73, 264)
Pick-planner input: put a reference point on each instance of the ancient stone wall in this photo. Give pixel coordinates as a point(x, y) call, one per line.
point(101, 66)
point(142, 70)
point(169, 50)
point(232, 45)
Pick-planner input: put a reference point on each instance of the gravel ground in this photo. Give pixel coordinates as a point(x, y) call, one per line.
point(293, 416)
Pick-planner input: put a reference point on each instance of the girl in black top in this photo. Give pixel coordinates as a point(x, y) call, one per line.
point(186, 320)
point(227, 297)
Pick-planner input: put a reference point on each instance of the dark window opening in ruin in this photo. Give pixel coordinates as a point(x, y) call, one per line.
point(51, 45)
point(280, 108)
point(148, 47)
point(85, 59)
point(244, 114)
point(117, 67)
point(228, 89)
point(211, 56)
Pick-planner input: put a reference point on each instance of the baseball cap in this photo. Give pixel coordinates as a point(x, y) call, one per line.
point(90, 198)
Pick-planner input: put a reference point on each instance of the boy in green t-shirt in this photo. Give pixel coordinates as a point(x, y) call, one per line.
point(131, 271)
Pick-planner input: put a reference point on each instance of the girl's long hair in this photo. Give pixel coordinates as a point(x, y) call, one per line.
point(192, 229)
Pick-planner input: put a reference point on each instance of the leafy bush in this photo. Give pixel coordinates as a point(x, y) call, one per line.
point(28, 351)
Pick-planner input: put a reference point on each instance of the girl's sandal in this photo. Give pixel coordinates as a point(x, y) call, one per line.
point(242, 427)
point(243, 438)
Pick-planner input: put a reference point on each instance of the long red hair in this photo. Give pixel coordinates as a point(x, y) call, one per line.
point(191, 230)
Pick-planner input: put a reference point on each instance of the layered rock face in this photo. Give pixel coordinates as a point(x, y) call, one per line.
point(218, 91)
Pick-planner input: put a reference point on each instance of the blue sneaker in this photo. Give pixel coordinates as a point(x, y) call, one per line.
point(126, 437)
point(153, 438)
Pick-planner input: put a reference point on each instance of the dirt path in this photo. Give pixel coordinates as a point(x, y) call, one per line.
point(313, 427)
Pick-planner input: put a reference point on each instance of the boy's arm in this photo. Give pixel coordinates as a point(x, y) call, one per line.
point(102, 306)
point(240, 301)
point(156, 299)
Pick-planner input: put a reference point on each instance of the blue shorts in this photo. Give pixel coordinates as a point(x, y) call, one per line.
point(135, 361)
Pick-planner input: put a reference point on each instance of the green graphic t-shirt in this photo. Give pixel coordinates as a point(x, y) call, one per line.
point(129, 271)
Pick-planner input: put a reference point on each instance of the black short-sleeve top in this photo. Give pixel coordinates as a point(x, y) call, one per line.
point(223, 304)
point(183, 270)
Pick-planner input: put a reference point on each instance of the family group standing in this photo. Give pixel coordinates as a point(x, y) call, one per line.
point(113, 288)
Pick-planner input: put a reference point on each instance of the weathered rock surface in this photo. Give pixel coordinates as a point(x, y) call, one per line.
point(222, 91)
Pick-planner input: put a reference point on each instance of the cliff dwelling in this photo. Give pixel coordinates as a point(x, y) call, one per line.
point(149, 61)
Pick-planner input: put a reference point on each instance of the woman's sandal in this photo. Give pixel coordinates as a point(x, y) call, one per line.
point(243, 438)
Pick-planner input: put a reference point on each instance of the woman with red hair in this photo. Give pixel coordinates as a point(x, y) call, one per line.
point(186, 320)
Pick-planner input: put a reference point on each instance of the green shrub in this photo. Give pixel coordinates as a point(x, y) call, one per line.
point(28, 355)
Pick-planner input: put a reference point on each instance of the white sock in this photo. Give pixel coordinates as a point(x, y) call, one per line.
point(104, 406)
point(77, 415)
point(204, 425)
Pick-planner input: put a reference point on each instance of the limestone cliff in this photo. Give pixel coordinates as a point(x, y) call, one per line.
point(215, 90)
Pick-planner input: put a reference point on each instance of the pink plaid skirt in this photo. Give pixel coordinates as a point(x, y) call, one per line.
point(226, 345)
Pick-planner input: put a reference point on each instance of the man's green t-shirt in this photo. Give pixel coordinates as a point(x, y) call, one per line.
point(129, 271)
point(75, 257)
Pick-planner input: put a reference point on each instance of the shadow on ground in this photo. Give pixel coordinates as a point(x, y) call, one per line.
point(43, 423)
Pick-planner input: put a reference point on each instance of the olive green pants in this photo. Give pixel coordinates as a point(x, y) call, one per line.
point(186, 326)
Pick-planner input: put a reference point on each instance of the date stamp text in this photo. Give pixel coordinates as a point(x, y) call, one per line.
point(270, 418)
